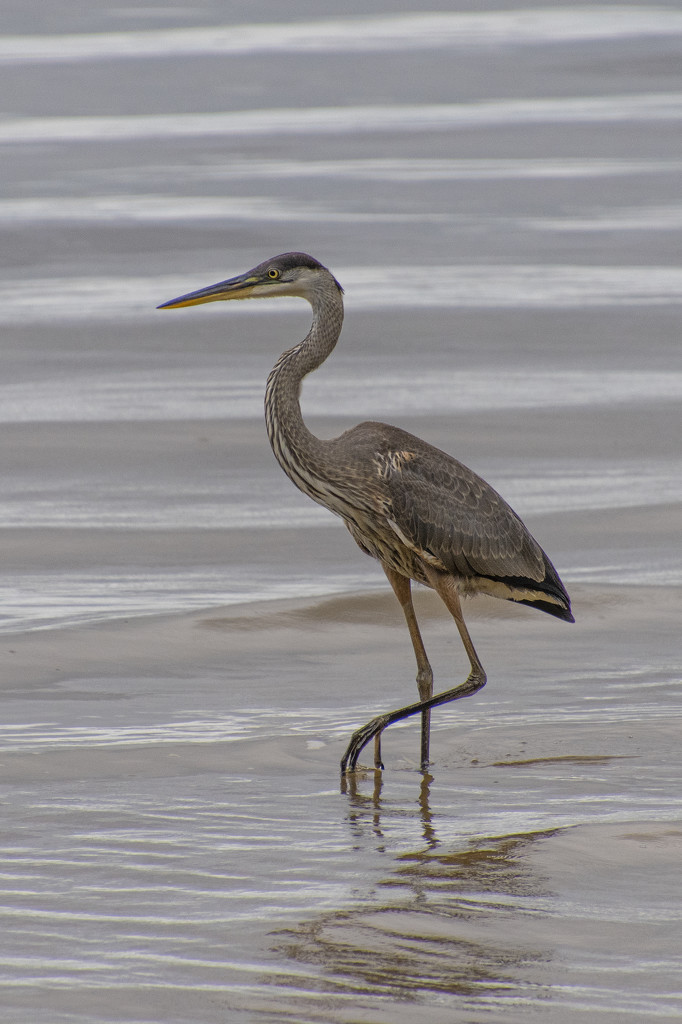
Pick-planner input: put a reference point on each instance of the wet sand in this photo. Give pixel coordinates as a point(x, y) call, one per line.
point(174, 813)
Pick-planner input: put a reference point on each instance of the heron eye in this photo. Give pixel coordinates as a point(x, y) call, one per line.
point(272, 273)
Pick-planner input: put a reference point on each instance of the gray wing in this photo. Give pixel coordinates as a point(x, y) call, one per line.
point(454, 519)
point(447, 514)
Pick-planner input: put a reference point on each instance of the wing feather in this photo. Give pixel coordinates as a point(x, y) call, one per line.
point(444, 513)
point(450, 514)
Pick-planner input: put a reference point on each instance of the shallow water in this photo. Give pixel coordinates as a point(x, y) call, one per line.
point(187, 641)
point(177, 848)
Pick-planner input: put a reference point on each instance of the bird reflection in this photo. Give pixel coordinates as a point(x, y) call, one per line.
point(364, 807)
point(442, 921)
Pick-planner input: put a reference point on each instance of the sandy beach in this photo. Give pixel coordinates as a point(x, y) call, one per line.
point(158, 793)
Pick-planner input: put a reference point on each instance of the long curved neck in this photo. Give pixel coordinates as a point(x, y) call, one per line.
point(298, 451)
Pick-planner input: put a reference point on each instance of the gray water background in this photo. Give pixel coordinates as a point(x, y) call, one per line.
point(187, 640)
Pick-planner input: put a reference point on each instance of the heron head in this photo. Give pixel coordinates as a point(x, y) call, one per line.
point(292, 273)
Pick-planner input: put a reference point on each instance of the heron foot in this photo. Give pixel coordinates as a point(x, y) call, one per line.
point(360, 739)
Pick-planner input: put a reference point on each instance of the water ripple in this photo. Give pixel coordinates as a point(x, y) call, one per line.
point(145, 396)
point(419, 117)
point(537, 286)
point(383, 33)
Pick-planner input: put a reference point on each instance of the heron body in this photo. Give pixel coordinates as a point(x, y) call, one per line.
point(420, 512)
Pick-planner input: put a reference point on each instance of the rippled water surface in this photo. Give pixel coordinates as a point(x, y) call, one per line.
point(187, 642)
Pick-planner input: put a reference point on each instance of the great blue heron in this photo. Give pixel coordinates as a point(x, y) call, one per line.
point(422, 514)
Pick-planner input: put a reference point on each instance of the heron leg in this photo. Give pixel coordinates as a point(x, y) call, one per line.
point(476, 679)
point(402, 588)
point(444, 586)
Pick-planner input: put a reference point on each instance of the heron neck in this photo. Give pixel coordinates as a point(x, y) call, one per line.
point(296, 449)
